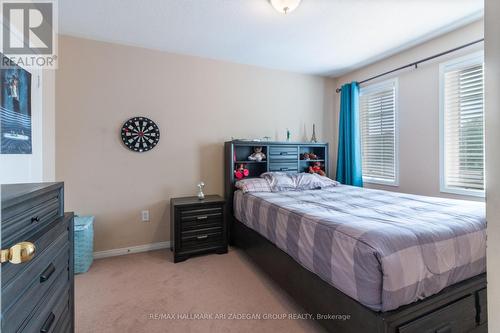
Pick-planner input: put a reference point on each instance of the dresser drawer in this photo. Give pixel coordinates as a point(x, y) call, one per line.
point(283, 153)
point(202, 238)
point(283, 167)
point(50, 313)
point(29, 215)
point(42, 239)
point(64, 323)
point(37, 288)
point(458, 317)
point(41, 268)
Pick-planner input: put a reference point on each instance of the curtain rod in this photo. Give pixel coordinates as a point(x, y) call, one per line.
point(416, 63)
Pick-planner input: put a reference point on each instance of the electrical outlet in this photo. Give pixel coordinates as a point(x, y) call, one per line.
point(145, 215)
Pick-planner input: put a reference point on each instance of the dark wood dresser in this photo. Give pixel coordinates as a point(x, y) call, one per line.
point(197, 226)
point(37, 259)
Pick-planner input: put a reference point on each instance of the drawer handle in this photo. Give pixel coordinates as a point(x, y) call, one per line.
point(19, 253)
point(35, 219)
point(284, 169)
point(283, 153)
point(202, 237)
point(204, 217)
point(48, 323)
point(47, 273)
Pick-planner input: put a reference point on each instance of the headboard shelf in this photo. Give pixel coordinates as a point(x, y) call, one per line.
point(250, 162)
point(280, 156)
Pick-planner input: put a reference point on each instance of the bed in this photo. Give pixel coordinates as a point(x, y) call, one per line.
point(361, 241)
point(391, 262)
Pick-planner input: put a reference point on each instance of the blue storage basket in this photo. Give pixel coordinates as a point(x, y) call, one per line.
point(84, 243)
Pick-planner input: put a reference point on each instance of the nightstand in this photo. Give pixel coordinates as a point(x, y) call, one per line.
point(197, 226)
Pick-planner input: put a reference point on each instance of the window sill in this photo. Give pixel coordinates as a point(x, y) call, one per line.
point(380, 181)
point(461, 191)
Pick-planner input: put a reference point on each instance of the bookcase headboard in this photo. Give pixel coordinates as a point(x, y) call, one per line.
point(280, 156)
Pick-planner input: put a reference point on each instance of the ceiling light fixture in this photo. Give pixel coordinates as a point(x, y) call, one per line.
point(285, 6)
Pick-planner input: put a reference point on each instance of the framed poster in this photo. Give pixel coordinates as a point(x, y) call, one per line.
point(15, 110)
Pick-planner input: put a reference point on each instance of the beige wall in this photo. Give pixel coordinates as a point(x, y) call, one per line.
point(418, 108)
point(492, 121)
point(197, 103)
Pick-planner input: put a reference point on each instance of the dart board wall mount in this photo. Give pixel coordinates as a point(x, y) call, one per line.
point(140, 134)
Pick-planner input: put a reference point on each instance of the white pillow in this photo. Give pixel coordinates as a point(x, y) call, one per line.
point(253, 185)
point(280, 181)
point(312, 181)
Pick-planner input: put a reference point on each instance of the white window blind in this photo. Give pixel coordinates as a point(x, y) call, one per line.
point(463, 127)
point(378, 133)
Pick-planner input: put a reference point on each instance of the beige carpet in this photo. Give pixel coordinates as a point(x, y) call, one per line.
point(146, 292)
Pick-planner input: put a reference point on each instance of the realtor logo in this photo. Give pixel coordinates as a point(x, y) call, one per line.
point(28, 33)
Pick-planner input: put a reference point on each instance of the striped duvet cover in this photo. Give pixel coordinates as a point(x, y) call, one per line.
point(384, 249)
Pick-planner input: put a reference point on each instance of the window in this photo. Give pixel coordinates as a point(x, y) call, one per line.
point(462, 125)
point(378, 122)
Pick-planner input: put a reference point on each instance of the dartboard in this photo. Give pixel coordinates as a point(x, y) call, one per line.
point(140, 134)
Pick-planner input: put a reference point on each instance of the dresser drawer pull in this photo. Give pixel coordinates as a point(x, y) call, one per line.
point(48, 323)
point(202, 237)
point(204, 217)
point(283, 153)
point(35, 219)
point(284, 169)
point(47, 273)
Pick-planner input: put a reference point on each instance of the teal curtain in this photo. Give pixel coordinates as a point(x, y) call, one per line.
point(349, 150)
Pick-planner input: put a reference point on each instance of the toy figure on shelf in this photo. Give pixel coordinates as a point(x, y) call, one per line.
point(316, 168)
point(257, 155)
point(241, 172)
point(308, 156)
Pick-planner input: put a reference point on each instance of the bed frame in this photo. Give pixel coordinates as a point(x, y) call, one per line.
point(456, 309)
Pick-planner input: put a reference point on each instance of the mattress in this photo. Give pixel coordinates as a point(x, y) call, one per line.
point(384, 249)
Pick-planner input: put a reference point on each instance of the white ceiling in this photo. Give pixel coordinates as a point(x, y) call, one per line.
point(327, 37)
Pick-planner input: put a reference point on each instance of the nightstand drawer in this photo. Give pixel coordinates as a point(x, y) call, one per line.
point(202, 237)
point(201, 231)
point(203, 223)
point(201, 213)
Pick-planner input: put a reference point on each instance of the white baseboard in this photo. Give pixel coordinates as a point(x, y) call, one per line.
point(131, 249)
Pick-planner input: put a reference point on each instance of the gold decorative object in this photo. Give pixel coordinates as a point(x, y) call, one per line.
point(19, 253)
